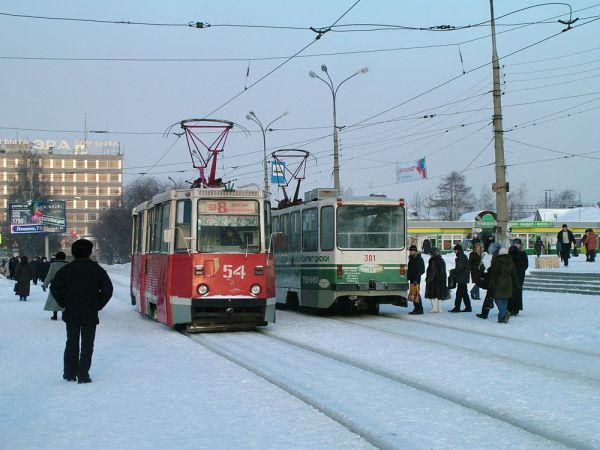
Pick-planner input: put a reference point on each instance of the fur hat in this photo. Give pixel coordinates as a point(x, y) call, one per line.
point(503, 251)
point(82, 248)
point(60, 256)
point(564, 225)
point(413, 247)
point(458, 247)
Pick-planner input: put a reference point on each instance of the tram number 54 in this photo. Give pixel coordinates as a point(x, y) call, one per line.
point(230, 271)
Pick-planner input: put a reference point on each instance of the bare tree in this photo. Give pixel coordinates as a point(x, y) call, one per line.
point(142, 189)
point(418, 206)
point(485, 199)
point(565, 199)
point(453, 197)
point(113, 229)
point(517, 199)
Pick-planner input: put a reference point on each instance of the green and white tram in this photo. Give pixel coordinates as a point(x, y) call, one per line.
point(346, 253)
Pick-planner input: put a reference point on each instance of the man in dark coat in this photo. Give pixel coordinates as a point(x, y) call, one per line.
point(461, 273)
point(565, 238)
point(503, 281)
point(416, 268)
point(12, 265)
point(83, 288)
point(519, 257)
point(23, 275)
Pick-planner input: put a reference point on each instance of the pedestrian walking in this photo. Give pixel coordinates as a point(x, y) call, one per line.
point(503, 280)
point(476, 266)
point(566, 239)
point(436, 288)
point(83, 288)
point(59, 261)
point(488, 301)
point(35, 263)
point(521, 262)
point(416, 268)
point(461, 273)
point(591, 243)
point(23, 276)
point(43, 268)
point(13, 262)
point(538, 246)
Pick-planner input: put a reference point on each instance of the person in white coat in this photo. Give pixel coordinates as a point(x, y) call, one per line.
point(60, 259)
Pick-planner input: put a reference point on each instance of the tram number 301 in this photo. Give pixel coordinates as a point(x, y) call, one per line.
point(229, 271)
point(369, 258)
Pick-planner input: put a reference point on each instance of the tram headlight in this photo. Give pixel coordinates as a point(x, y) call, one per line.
point(202, 289)
point(255, 289)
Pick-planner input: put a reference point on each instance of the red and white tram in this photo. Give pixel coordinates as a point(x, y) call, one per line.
point(201, 258)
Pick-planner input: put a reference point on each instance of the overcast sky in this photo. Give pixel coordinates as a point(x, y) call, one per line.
point(551, 101)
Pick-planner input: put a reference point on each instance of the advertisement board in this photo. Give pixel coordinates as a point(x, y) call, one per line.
point(48, 216)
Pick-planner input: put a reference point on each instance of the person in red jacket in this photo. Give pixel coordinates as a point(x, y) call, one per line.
point(591, 243)
point(83, 288)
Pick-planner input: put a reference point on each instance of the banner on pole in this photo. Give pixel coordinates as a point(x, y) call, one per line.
point(412, 171)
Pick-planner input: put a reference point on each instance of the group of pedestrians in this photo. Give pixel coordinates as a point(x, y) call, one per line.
point(503, 281)
point(79, 289)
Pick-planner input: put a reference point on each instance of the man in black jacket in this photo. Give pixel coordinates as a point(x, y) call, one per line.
point(83, 288)
point(566, 238)
point(461, 273)
point(416, 268)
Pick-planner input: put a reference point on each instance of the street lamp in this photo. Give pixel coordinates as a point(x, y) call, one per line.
point(253, 117)
point(329, 83)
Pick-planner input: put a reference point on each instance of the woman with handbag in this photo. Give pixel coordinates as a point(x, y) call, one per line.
point(435, 281)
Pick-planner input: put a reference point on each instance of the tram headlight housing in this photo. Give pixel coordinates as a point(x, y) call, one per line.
point(255, 289)
point(202, 289)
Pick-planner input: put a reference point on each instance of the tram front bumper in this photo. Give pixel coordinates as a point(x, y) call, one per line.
point(219, 314)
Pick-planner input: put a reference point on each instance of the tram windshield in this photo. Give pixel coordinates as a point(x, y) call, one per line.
point(228, 226)
point(370, 226)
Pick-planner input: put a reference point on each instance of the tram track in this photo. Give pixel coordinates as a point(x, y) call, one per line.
point(518, 340)
point(564, 362)
point(239, 350)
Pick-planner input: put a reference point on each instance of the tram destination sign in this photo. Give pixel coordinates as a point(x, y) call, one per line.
point(37, 217)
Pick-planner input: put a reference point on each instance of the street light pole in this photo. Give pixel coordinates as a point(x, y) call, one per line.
point(330, 85)
point(253, 117)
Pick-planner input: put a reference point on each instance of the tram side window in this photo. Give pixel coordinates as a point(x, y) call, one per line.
point(183, 225)
point(137, 234)
point(310, 227)
point(166, 215)
point(150, 227)
point(327, 228)
point(157, 230)
point(296, 243)
point(285, 229)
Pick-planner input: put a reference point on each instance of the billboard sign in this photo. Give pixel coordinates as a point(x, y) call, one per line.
point(38, 217)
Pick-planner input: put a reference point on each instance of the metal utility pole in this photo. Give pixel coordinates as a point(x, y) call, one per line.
point(500, 187)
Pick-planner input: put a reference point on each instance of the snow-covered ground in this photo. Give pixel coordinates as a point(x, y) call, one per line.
point(307, 382)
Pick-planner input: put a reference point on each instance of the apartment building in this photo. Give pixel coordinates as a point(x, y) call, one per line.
point(87, 175)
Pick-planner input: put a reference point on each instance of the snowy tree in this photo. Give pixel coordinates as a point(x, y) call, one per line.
point(452, 198)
